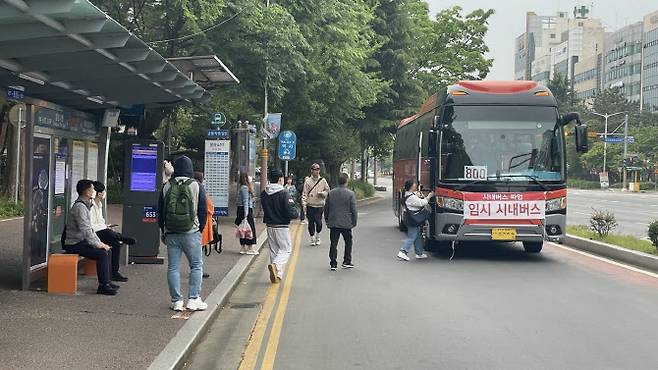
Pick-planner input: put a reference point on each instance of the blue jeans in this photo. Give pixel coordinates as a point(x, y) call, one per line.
point(413, 237)
point(190, 244)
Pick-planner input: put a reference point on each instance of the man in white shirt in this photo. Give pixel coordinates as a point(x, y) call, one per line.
point(105, 232)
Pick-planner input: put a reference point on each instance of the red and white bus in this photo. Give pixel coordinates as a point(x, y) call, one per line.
point(494, 153)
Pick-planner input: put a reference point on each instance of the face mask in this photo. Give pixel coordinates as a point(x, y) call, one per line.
point(93, 194)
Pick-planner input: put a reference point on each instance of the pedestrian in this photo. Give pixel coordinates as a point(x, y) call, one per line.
point(207, 234)
point(79, 237)
point(294, 192)
point(105, 232)
point(167, 171)
point(245, 210)
point(341, 215)
point(278, 209)
point(314, 194)
point(182, 218)
point(413, 202)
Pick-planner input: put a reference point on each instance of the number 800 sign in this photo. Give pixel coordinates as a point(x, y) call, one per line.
point(475, 172)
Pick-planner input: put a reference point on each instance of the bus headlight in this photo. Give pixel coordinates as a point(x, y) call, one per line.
point(556, 204)
point(450, 203)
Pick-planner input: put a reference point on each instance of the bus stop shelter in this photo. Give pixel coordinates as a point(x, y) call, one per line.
point(71, 68)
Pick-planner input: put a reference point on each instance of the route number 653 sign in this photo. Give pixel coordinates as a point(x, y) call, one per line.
point(475, 172)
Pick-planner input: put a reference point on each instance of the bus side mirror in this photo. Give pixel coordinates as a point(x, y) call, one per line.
point(432, 143)
point(581, 139)
point(570, 117)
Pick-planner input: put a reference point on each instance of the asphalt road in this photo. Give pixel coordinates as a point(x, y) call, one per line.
point(633, 211)
point(492, 307)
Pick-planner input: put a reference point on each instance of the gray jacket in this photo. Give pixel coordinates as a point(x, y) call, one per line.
point(340, 208)
point(78, 225)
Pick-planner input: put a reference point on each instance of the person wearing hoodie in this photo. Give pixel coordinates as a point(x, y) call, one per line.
point(314, 194)
point(182, 217)
point(278, 209)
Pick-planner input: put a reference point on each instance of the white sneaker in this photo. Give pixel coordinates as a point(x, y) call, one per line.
point(252, 251)
point(177, 306)
point(243, 249)
point(317, 240)
point(196, 304)
point(403, 256)
point(313, 240)
point(422, 256)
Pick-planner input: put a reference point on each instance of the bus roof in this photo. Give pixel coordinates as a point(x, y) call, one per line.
point(487, 93)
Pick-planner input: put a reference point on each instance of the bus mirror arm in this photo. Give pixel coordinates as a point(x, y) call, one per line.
point(570, 117)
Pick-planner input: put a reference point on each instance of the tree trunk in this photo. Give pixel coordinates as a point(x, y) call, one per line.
point(352, 168)
point(374, 171)
point(333, 170)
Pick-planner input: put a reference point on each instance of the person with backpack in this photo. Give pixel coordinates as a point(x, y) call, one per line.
point(105, 232)
point(413, 202)
point(79, 237)
point(182, 218)
point(278, 209)
point(341, 215)
point(314, 194)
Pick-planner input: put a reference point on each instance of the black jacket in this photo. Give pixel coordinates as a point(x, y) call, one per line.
point(278, 206)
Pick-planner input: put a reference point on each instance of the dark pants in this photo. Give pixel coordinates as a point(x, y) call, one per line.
point(334, 235)
point(113, 239)
point(250, 219)
point(101, 256)
point(314, 215)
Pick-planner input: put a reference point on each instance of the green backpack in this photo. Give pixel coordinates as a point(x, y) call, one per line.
point(179, 208)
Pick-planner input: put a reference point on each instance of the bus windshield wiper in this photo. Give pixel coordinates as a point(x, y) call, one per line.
point(473, 182)
point(533, 178)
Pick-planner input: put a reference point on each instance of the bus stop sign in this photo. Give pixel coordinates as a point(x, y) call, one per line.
point(287, 145)
point(218, 119)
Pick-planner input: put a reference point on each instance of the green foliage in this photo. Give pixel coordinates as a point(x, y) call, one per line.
point(653, 233)
point(602, 222)
point(362, 189)
point(114, 192)
point(624, 241)
point(582, 184)
point(9, 209)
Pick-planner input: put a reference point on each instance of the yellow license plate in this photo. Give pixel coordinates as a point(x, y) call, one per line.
point(499, 233)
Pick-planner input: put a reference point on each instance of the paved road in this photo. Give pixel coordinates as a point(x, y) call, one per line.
point(633, 211)
point(493, 307)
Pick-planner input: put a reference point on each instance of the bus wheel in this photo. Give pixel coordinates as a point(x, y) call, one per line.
point(533, 247)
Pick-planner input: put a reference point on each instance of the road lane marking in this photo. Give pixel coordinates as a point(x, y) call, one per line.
point(277, 325)
point(607, 260)
point(250, 355)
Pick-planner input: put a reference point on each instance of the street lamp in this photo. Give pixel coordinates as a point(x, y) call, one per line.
point(605, 135)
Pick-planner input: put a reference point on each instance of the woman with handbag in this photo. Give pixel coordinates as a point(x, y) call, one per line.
point(245, 212)
point(415, 217)
point(206, 235)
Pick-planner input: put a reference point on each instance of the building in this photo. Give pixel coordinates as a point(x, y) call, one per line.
point(622, 61)
point(649, 90)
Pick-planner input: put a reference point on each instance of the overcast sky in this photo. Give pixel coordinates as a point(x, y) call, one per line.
point(509, 21)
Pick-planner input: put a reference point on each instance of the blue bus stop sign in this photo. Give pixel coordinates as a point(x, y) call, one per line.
point(287, 145)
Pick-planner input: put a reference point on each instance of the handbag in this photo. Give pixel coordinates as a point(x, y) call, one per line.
point(415, 218)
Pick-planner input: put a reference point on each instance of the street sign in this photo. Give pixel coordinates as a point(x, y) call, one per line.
point(15, 94)
point(218, 119)
point(634, 168)
point(287, 145)
point(614, 140)
point(218, 133)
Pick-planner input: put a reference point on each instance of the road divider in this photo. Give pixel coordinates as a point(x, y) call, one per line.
point(631, 257)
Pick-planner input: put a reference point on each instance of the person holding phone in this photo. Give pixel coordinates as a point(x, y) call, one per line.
point(105, 232)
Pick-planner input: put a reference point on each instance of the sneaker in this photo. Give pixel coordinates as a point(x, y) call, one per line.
point(274, 273)
point(403, 256)
point(252, 251)
point(313, 240)
point(205, 276)
point(177, 306)
point(304, 222)
point(334, 268)
point(317, 240)
point(422, 256)
point(243, 249)
point(347, 266)
point(196, 304)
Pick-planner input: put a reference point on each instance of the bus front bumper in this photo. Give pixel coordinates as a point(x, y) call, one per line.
point(450, 227)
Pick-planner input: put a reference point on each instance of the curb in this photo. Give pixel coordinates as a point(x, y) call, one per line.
point(630, 257)
point(175, 353)
point(370, 200)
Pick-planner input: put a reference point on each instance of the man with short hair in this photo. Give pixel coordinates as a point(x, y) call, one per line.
point(278, 209)
point(182, 217)
point(314, 194)
point(341, 215)
point(79, 237)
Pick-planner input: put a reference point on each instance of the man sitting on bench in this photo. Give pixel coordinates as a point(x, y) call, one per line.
point(81, 239)
point(105, 232)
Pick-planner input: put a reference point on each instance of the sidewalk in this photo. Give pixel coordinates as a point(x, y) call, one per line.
point(90, 331)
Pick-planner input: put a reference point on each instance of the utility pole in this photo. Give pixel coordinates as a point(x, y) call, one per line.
point(623, 186)
point(263, 152)
point(605, 136)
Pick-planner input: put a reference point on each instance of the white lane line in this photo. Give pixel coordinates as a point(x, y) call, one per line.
point(603, 259)
point(581, 213)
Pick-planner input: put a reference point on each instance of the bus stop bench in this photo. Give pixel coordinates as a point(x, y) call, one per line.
point(63, 272)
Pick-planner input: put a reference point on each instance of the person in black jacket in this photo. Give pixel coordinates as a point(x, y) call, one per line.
point(278, 209)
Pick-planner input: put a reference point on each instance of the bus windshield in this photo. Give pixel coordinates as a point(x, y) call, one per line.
point(511, 143)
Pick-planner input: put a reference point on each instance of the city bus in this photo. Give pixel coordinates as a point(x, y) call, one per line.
point(494, 154)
